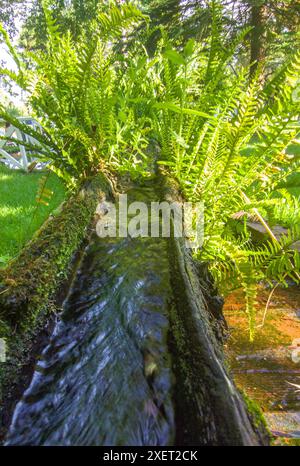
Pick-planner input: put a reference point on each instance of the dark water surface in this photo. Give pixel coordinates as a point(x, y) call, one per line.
point(105, 378)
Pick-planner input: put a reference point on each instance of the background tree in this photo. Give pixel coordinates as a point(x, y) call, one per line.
point(275, 24)
point(70, 15)
point(10, 10)
point(275, 28)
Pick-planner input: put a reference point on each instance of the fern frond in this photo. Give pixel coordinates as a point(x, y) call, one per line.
point(43, 194)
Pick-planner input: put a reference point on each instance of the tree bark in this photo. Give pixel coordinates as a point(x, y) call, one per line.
point(257, 49)
point(212, 410)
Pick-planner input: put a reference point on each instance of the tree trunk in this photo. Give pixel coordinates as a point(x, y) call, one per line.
point(257, 49)
point(213, 412)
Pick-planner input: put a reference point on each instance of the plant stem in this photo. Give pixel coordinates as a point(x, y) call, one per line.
point(260, 218)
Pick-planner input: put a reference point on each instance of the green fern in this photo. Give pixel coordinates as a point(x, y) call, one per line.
point(206, 119)
point(224, 138)
point(44, 194)
point(74, 92)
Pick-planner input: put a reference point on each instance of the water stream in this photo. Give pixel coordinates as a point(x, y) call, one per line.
point(105, 377)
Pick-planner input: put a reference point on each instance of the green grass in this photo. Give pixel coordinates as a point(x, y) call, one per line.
point(20, 214)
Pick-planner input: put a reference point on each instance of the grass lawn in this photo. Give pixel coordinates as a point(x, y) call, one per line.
point(19, 215)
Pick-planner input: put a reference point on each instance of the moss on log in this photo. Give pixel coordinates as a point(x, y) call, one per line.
point(214, 412)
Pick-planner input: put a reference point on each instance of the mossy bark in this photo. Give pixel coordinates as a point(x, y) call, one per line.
point(215, 413)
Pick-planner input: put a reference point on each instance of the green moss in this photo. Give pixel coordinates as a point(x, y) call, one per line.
point(182, 353)
point(256, 414)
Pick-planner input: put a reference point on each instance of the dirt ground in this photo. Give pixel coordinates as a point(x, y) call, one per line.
point(267, 368)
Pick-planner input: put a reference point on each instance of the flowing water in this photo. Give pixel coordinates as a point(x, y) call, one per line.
point(105, 377)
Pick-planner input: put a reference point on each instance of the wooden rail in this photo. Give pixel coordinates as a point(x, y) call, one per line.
point(14, 154)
